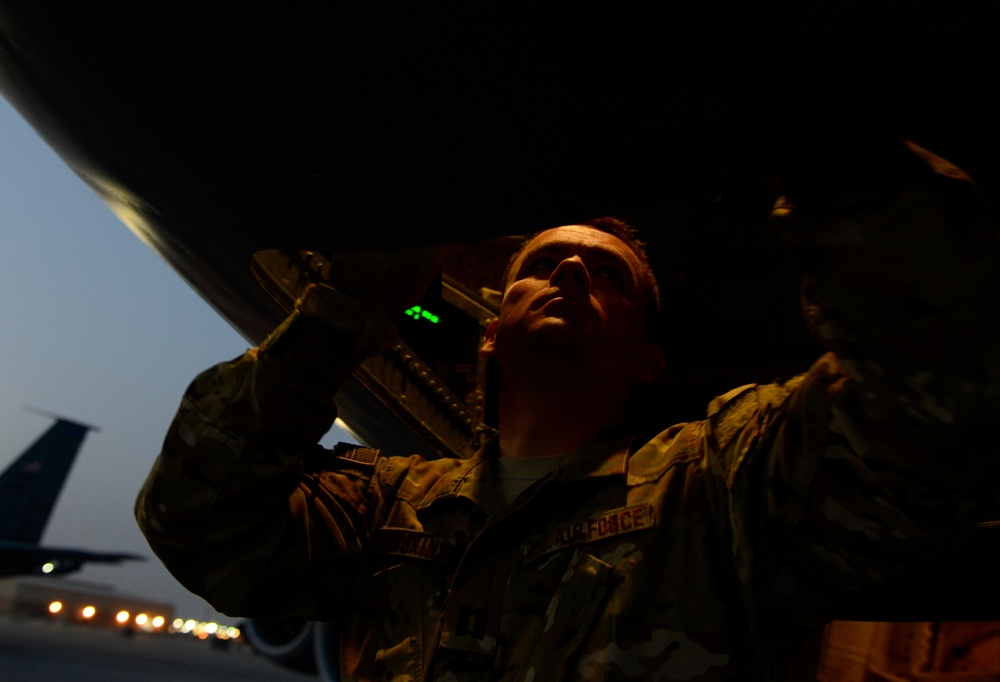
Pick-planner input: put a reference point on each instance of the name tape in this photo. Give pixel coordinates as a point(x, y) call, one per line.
point(419, 545)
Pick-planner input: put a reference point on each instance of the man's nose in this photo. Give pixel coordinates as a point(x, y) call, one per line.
point(572, 273)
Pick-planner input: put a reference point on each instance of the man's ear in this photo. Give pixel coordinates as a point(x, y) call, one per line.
point(650, 365)
point(488, 349)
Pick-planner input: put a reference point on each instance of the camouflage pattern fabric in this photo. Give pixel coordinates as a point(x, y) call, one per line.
point(703, 553)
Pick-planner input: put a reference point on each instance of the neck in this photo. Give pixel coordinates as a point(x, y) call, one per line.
point(543, 415)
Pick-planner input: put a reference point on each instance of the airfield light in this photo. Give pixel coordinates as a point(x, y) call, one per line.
point(178, 624)
point(48, 567)
point(211, 628)
point(55, 607)
point(88, 611)
point(233, 632)
point(158, 621)
point(141, 618)
point(189, 626)
point(122, 617)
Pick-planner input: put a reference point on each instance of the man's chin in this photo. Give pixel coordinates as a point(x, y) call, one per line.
point(568, 330)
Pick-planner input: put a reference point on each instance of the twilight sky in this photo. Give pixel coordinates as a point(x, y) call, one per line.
point(97, 328)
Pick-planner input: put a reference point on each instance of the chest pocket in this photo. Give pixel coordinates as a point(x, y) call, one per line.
point(572, 610)
point(399, 603)
point(395, 626)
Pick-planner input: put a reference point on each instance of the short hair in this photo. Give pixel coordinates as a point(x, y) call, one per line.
point(629, 235)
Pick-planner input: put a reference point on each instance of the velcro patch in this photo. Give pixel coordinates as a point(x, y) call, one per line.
point(356, 454)
point(602, 527)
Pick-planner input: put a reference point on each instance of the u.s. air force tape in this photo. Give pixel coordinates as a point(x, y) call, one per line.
point(600, 527)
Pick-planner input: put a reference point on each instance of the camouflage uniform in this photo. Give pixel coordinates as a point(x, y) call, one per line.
point(702, 553)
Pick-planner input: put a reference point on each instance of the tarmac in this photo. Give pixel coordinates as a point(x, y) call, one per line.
point(39, 651)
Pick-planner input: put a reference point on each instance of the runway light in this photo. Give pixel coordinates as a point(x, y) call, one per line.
point(178, 623)
point(158, 621)
point(122, 617)
point(141, 619)
point(211, 628)
point(88, 612)
point(48, 567)
point(55, 607)
point(189, 626)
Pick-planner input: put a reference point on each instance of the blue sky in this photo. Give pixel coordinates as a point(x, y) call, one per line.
point(98, 328)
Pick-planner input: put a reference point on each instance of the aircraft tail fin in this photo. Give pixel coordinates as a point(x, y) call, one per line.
point(30, 486)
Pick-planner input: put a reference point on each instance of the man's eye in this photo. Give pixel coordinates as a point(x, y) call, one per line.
point(611, 273)
point(540, 265)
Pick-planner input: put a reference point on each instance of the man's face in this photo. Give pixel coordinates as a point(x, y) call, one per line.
point(573, 288)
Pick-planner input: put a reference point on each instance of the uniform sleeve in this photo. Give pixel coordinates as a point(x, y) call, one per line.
point(901, 282)
point(880, 458)
point(242, 505)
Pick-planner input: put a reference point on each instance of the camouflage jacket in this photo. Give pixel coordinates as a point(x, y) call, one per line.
point(701, 553)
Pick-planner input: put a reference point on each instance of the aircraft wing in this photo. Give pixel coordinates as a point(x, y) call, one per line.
point(19, 558)
point(317, 129)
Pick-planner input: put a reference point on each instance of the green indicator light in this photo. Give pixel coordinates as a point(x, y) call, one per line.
point(418, 313)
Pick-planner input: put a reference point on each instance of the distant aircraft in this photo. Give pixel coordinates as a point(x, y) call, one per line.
point(29, 488)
